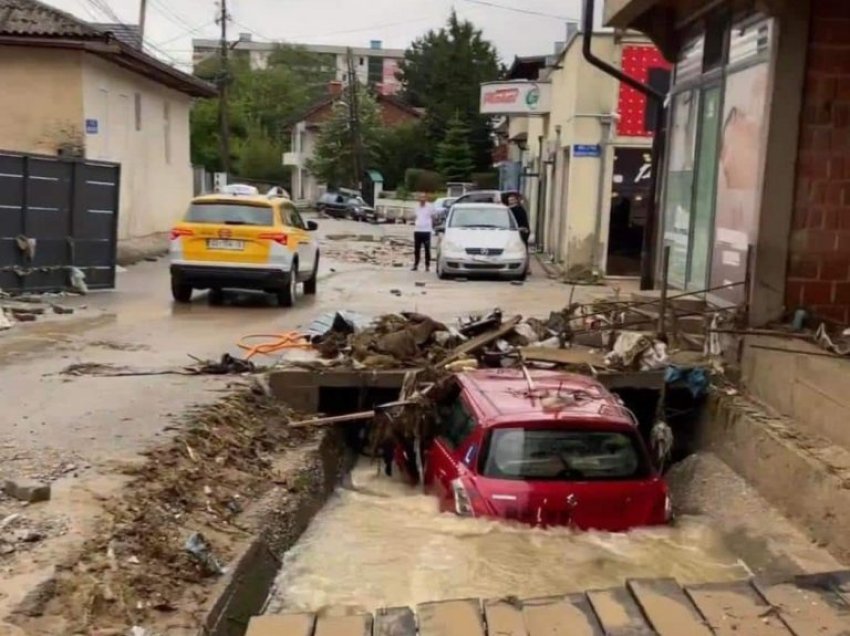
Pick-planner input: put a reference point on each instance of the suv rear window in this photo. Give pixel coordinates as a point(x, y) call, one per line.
point(563, 455)
point(230, 214)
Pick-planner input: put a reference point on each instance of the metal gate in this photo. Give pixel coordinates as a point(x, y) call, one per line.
point(56, 214)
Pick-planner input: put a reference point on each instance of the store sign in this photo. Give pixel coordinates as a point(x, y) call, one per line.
point(520, 97)
point(91, 126)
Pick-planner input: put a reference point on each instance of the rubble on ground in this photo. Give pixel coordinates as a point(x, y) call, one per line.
point(31, 307)
point(386, 251)
point(178, 519)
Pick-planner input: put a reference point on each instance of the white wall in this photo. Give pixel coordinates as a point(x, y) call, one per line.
point(150, 141)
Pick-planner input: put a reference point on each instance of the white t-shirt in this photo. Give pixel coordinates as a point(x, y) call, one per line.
point(424, 218)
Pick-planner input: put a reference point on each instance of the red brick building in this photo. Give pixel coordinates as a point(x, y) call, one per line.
point(758, 159)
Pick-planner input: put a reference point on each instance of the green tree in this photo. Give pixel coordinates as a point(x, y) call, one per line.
point(262, 104)
point(454, 156)
point(402, 147)
point(442, 72)
point(333, 159)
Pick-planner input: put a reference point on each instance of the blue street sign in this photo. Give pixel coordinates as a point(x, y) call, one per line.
point(584, 150)
point(91, 126)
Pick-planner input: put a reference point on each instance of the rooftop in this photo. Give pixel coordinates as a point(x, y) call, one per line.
point(503, 396)
point(33, 23)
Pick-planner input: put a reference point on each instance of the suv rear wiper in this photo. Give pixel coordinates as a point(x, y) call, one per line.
point(235, 223)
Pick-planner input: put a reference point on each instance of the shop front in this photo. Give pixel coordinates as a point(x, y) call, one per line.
point(717, 130)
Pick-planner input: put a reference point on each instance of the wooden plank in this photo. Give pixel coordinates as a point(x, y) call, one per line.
point(618, 613)
point(451, 618)
point(479, 342)
point(733, 609)
point(504, 617)
point(560, 616)
point(281, 625)
point(395, 621)
point(669, 610)
point(572, 356)
point(808, 611)
point(357, 625)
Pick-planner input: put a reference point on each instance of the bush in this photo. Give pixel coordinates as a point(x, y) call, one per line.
point(485, 180)
point(417, 180)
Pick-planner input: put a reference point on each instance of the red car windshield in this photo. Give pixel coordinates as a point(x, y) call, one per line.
point(563, 455)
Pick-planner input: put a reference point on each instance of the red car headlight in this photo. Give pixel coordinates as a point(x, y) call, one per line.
point(463, 501)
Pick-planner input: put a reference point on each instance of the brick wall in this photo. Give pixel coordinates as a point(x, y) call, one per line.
point(819, 263)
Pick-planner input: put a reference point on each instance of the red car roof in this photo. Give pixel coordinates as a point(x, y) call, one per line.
point(502, 396)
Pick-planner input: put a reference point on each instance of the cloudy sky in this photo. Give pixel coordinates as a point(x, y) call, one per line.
point(516, 27)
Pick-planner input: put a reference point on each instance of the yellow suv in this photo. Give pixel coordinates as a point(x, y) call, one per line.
point(243, 242)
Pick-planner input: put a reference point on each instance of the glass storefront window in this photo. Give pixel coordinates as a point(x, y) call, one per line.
point(703, 213)
point(680, 183)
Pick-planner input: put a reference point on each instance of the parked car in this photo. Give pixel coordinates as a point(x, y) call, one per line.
point(243, 242)
point(481, 239)
point(487, 196)
point(441, 208)
point(555, 450)
point(345, 204)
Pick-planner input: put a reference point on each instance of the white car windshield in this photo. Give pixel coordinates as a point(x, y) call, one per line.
point(492, 218)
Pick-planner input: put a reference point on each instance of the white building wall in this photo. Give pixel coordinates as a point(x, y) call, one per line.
point(144, 126)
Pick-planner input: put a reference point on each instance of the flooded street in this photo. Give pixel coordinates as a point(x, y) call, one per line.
point(379, 543)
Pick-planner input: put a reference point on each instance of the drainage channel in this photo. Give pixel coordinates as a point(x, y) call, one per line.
point(378, 542)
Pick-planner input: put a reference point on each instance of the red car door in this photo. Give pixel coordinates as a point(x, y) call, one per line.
point(448, 452)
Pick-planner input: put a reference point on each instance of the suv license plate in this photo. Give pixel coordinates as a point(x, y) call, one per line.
point(226, 244)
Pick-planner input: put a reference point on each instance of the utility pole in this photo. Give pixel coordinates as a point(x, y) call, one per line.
point(224, 80)
point(354, 120)
point(143, 12)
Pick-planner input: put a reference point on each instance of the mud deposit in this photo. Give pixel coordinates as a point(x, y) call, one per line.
point(164, 545)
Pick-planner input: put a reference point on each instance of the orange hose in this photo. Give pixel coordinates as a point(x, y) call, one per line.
point(276, 342)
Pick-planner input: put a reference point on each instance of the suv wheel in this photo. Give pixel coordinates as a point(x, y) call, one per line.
point(181, 293)
point(286, 296)
point(310, 285)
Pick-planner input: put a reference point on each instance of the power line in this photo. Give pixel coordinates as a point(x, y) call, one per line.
point(183, 34)
point(503, 7)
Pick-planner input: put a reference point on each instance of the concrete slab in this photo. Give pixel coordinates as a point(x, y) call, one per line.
point(451, 618)
point(618, 613)
point(286, 625)
point(560, 616)
point(733, 609)
point(505, 618)
point(360, 625)
point(668, 609)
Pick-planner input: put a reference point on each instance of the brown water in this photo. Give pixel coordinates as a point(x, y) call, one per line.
point(379, 543)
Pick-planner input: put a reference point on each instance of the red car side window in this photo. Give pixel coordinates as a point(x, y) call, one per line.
point(456, 423)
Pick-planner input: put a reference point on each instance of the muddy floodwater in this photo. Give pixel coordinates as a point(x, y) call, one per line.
point(379, 543)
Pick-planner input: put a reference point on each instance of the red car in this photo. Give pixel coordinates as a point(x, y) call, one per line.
point(546, 448)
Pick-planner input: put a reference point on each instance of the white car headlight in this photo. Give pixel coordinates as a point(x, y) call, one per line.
point(450, 246)
point(515, 248)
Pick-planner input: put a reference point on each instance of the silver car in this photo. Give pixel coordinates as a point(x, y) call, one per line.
point(482, 239)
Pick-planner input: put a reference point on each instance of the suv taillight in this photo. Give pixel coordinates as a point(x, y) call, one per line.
point(278, 237)
point(179, 232)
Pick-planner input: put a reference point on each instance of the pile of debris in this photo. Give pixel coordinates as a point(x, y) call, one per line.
point(177, 521)
point(29, 308)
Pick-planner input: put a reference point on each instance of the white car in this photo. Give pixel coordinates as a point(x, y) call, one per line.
point(482, 239)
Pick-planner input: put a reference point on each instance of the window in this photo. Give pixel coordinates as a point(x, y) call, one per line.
point(376, 70)
point(456, 423)
point(659, 79)
point(563, 455)
point(493, 218)
point(230, 214)
point(138, 104)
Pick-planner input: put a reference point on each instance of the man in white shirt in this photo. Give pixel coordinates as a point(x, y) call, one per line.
point(422, 231)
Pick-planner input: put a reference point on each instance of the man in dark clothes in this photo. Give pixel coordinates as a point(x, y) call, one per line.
point(521, 217)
